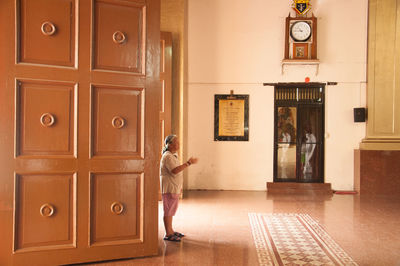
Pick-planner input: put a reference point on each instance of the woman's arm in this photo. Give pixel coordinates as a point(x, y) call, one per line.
point(182, 167)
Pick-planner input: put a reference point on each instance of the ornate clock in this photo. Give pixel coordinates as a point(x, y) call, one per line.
point(301, 38)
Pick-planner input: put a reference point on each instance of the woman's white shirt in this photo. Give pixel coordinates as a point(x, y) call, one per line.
point(170, 183)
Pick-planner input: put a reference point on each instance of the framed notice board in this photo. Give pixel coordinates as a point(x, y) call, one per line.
point(231, 117)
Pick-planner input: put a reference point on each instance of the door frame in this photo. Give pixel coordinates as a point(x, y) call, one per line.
point(290, 99)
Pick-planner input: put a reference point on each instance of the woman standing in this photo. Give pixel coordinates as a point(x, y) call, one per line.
point(171, 183)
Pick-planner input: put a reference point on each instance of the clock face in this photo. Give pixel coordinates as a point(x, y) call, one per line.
point(300, 31)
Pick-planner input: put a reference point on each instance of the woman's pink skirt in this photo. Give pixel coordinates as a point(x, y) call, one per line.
point(170, 203)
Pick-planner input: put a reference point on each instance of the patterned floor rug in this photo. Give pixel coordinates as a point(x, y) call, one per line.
point(294, 239)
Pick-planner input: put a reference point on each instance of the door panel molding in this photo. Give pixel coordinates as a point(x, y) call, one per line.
point(117, 122)
point(41, 23)
point(45, 118)
point(113, 212)
point(46, 221)
point(118, 46)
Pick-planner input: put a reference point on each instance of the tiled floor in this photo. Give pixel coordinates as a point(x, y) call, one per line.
point(218, 230)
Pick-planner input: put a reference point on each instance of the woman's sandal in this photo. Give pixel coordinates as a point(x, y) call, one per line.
point(179, 234)
point(173, 238)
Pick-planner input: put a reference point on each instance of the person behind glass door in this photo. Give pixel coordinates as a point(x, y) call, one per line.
point(309, 152)
point(171, 183)
point(286, 138)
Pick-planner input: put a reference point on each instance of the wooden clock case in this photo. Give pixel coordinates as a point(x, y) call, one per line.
point(295, 50)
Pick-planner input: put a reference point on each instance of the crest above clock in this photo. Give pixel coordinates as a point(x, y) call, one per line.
point(301, 7)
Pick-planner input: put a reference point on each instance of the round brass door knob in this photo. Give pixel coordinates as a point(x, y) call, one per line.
point(46, 210)
point(48, 28)
point(117, 208)
point(119, 37)
point(47, 120)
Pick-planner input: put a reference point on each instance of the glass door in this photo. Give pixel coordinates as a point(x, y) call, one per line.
point(286, 153)
point(299, 133)
point(310, 138)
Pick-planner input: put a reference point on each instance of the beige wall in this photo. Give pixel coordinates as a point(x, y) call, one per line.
point(239, 44)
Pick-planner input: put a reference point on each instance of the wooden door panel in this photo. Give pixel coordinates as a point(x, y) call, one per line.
point(164, 125)
point(46, 118)
point(162, 115)
point(166, 85)
point(47, 24)
point(45, 212)
point(118, 117)
point(116, 208)
point(120, 45)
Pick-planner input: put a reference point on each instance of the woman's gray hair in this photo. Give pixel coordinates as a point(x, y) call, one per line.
point(168, 140)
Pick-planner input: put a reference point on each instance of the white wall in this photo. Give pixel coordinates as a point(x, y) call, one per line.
point(239, 44)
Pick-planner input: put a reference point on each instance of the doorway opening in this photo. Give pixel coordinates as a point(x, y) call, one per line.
point(299, 132)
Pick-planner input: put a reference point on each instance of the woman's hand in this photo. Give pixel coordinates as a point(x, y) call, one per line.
point(192, 160)
point(185, 165)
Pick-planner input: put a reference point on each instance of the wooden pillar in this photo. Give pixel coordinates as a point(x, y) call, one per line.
point(383, 124)
point(376, 163)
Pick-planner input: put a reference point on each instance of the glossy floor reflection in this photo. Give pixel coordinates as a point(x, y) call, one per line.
point(218, 231)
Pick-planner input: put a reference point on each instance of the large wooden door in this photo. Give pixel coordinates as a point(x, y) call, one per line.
point(79, 102)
